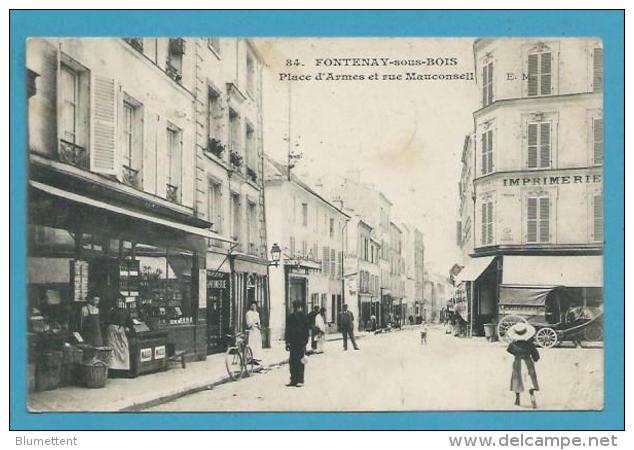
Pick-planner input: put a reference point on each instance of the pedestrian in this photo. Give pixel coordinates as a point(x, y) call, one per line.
point(255, 334)
point(346, 325)
point(90, 323)
point(320, 326)
point(313, 331)
point(117, 339)
point(526, 355)
point(296, 337)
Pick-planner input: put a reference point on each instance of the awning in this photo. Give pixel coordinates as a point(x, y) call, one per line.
point(474, 269)
point(569, 271)
point(524, 296)
point(203, 232)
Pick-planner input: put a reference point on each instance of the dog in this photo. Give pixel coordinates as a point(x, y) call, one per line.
point(423, 336)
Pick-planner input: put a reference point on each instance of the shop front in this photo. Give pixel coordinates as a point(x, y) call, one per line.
point(103, 274)
point(249, 284)
point(477, 294)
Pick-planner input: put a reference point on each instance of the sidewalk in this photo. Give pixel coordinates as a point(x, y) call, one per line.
point(134, 394)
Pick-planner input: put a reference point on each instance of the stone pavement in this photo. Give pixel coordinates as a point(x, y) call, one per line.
point(125, 394)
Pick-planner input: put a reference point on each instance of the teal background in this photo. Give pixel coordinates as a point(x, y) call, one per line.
point(608, 25)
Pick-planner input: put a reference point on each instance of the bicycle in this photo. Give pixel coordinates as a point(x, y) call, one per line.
point(239, 357)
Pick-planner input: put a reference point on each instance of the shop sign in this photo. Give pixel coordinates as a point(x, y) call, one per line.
point(145, 354)
point(159, 352)
point(217, 284)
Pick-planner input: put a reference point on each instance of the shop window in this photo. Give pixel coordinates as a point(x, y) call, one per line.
point(538, 219)
point(597, 70)
point(174, 163)
point(487, 84)
point(132, 141)
point(487, 152)
point(597, 141)
point(487, 222)
point(539, 73)
point(539, 145)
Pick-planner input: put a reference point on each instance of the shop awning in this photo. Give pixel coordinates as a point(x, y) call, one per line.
point(524, 296)
point(569, 271)
point(203, 232)
point(474, 269)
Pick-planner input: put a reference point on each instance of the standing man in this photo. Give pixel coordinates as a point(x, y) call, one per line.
point(296, 337)
point(346, 323)
point(313, 330)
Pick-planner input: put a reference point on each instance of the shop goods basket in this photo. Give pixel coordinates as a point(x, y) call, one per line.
point(95, 374)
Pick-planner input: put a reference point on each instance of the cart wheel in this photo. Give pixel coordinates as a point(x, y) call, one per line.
point(233, 362)
point(546, 337)
point(249, 362)
point(593, 333)
point(506, 323)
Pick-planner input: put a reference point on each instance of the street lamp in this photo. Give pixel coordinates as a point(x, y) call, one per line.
point(276, 254)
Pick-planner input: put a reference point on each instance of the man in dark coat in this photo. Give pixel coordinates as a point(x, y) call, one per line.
point(296, 337)
point(346, 325)
point(311, 323)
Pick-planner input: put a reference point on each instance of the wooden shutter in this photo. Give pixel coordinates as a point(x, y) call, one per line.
point(546, 74)
point(544, 219)
point(597, 216)
point(490, 223)
point(150, 154)
point(532, 146)
point(333, 262)
point(490, 84)
point(484, 223)
point(544, 144)
point(484, 153)
point(533, 67)
point(490, 151)
point(103, 155)
point(484, 85)
point(597, 133)
point(326, 261)
point(597, 70)
point(531, 219)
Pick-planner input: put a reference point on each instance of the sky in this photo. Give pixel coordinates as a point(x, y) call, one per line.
point(405, 136)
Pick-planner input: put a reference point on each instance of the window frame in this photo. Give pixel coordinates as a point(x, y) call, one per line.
point(540, 74)
point(539, 145)
point(539, 198)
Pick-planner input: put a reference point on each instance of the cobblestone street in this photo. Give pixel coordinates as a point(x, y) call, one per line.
point(395, 372)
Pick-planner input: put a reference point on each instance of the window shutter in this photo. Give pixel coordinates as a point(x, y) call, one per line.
point(533, 62)
point(484, 223)
point(484, 84)
point(484, 153)
point(546, 75)
point(333, 263)
point(544, 144)
point(490, 83)
point(544, 219)
point(531, 220)
point(59, 99)
point(597, 131)
point(326, 261)
point(597, 70)
point(490, 223)
point(139, 126)
point(150, 123)
point(532, 145)
point(490, 151)
point(103, 156)
point(597, 208)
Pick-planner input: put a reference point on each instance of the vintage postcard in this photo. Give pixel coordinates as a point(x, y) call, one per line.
point(315, 224)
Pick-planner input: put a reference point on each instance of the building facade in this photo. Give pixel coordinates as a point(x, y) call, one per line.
point(112, 189)
point(537, 164)
point(311, 231)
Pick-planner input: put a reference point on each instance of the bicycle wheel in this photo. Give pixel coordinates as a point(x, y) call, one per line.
point(233, 362)
point(249, 362)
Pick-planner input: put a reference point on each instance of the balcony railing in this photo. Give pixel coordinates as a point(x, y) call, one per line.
point(173, 72)
point(70, 153)
point(131, 176)
point(215, 147)
point(252, 175)
point(172, 193)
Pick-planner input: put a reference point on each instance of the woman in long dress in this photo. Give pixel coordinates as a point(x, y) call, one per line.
point(526, 355)
point(320, 325)
point(90, 323)
point(255, 335)
point(117, 339)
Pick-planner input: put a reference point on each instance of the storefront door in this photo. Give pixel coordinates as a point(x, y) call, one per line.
point(218, 311)
point(297, 291)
